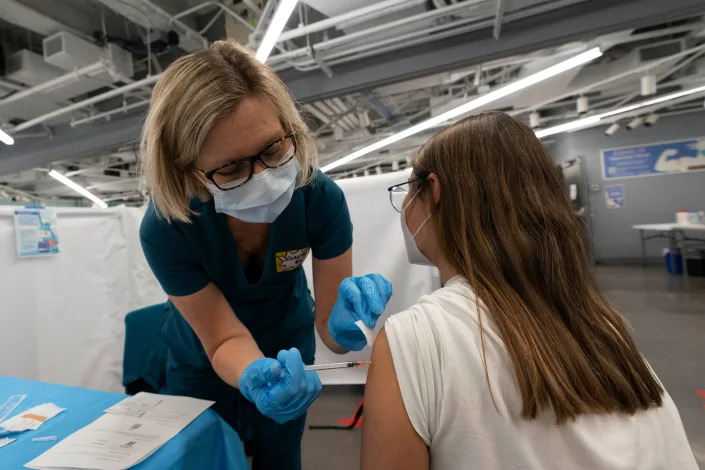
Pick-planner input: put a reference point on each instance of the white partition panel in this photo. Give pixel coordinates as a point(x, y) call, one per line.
point(378, 247)
point(61, 317)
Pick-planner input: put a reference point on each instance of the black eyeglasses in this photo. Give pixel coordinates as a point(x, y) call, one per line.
point(398, 192)
point(235, 174)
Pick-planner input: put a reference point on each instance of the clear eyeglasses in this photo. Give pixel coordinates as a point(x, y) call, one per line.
point(398, 192)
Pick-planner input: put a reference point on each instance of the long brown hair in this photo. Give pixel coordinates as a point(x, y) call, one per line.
point(505, 222)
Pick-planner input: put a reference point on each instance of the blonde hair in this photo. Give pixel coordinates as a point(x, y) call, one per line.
point(191, 96)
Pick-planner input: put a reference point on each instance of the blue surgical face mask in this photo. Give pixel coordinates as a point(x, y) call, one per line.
point(263, 198)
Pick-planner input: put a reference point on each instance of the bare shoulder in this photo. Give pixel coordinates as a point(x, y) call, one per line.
point(389, 440)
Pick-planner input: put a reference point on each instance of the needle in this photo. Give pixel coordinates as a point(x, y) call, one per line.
point(338, 365)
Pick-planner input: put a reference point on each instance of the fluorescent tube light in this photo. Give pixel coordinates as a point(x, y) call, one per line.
point(281, 16)
point(483, 100)
point(652, 102)
point(79, 189)
point(569, 126)
point(5, 138)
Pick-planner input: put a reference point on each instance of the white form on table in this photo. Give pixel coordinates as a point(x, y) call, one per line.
point(125, 435)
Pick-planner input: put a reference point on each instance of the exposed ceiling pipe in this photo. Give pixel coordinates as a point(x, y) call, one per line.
point(313, 110)
point(54, 83)
point(337, 105)
point(118, 182)
point(612, 102)
point(86, 102)
point(612, 78)
point(213, 4)
point(641, 111)
point(107, 114)
point(189, 32)
point(262, 24)
point(19, 192)
point(331, 114)
point(253, 6)
point(626, 37)
point(409, 41)
point(398, 42)
point(498, 19)
point(666, 74)
point(11, 86)
point(383, 28)
point(351, 18)
point(405, 41)
point(137, 11)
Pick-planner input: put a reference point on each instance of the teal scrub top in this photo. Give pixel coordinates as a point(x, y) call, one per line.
point(277, 309)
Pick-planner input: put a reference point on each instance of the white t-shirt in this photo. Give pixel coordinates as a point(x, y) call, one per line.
point(438, 360)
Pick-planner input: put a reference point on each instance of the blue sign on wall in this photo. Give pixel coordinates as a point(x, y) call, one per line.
point(654, 159)
point(614, 196)
point(35, 232)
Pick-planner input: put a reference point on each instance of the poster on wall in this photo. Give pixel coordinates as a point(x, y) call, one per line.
point(35, 232)
point(614, 196)
point(665, 158)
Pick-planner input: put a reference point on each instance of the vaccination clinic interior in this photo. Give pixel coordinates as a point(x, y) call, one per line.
point(373, 81)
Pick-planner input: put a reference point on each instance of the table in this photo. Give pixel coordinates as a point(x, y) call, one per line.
point(676, 235)
point(208, 442)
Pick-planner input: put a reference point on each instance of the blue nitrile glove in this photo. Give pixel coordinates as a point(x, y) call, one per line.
point(280, 388)
point(359, 298)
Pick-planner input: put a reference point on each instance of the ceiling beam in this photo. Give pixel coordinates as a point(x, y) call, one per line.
point(33, 20)
point(580, 21)
point(70, 144)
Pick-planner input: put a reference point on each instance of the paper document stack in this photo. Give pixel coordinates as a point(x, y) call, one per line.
point(125, 435)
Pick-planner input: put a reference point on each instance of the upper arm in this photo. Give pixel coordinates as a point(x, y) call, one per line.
point(330, 235)
point(389, 440)
point(177, 267)
point(171, 256)
point(210, 316)
point(328, 220)
point(327, 276)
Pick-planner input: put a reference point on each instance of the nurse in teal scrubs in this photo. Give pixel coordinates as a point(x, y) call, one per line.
point(236, 207)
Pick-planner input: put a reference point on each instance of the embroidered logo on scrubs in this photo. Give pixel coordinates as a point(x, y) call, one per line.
point(290, 260)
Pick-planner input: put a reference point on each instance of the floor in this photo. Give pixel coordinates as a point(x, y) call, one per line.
point(668, 317)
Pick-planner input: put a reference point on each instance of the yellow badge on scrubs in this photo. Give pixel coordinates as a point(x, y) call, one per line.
point(290, 260)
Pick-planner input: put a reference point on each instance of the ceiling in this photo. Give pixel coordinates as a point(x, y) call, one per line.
point(76, 75)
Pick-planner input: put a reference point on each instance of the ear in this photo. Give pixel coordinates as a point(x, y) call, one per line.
point(435, 186)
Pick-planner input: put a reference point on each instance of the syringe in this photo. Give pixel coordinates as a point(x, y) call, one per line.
point(338, 365)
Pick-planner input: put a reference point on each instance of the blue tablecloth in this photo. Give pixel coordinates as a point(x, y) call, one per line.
point(208, 442)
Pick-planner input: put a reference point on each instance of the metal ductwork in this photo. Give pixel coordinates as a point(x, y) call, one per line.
point(29, 68)
point(158, 15)
point(71, 67)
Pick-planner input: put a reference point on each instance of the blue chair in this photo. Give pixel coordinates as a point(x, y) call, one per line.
point(144, 359)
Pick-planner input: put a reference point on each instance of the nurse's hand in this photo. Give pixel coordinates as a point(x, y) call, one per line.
point(359, 298)
point(280, 388)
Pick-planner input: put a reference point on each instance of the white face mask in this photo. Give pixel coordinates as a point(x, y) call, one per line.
point(263, 198)
point(412, 251)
